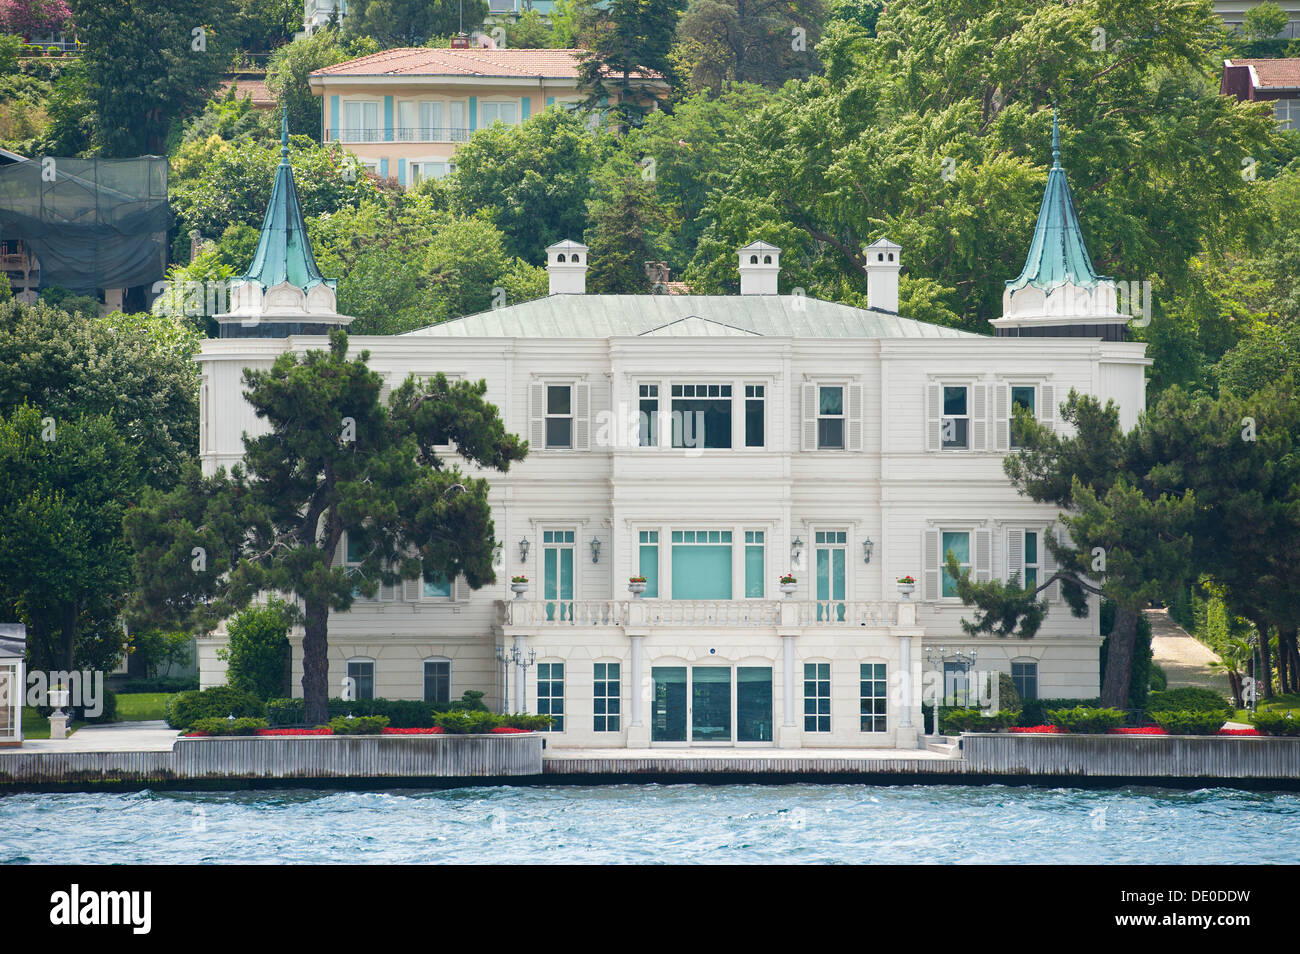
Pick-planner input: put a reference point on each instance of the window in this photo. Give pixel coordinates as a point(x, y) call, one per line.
point(701, 415)
point(1021, 396)
point(701, 564)
point(817, 697)
point(956, 683)
point(550, 694)
point(648, 410)
point(437, 680)
point(458, 128)
point(873, 697)
point(557, 573)
point(431, 123)
point(361, 122)
point(605, 697)
point(559, 415)
point(956, 417)
point(354, 553)
point(832, 562)
point(498, 113)
point(830, 417)
point(428, 170)
point(755, 564)
point(438, 588)
point(1024, 675)
point(1032, 559)
point(754, 415)
point(958, 543)
point(362, 674)
point(406, 130)
point(649, 562)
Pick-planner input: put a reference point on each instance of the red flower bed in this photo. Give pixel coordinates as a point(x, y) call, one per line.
point(1037, 729)
point(1143, 730)
point(198, 735)
point(1240, 732)
point(325, 731)
point(436, 730)
point(508, 730)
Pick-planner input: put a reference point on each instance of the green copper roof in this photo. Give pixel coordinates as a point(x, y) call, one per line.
point(284, 251)
point(1057, 255)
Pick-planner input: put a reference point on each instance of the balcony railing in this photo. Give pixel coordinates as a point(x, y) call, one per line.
point(701, 613)
point(403, 134)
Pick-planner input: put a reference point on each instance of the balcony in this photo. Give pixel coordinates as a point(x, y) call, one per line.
point(401, 134)
point(707, 614)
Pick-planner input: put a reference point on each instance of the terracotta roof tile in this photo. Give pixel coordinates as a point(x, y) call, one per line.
point(422, 61)
point(254, 89)
point(1274, 74)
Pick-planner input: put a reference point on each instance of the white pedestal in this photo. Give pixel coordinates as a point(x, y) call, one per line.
point(908, 738)
point(788, 737)
point(58, 726)
point(638, 737)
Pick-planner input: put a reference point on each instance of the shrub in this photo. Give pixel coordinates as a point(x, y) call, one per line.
point(186, 708)
point(1276, 723)
point(285, 711)
point(359, 725)
point(174, 684)
point(461, 723)
point(258, 654)
point(522, 720)
point(1159, 680)
point(973, 720)
point(1086, 720)
point(1008, 697)
point(401, 713)
point(1188, 722)
point(1034, 711)
point(215, 726)
point(1188, 699)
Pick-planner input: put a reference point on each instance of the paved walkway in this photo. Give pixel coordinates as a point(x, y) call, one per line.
point(115, 737)
point(1185, 660)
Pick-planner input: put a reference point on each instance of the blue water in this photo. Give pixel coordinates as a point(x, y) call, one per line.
point(657, 823)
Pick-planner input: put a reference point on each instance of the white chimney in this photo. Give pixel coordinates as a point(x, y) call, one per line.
point(566, 264)
point(883, 262)
point(760, 264)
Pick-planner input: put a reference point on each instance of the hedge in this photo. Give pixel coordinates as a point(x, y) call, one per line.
point(401, 713)
point(216, 726)
point(973, 720)
point(1034, 711)
point(1189, 722)
point(1086, 720)
point(178, 684)
point(359, 725)
point(1187, 699)
point(186, 708)
point(1275, 723)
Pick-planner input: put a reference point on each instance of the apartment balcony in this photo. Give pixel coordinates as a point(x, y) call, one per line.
point(413, 134)
point(524, 616)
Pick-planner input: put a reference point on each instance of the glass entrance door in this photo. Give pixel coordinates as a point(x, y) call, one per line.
point(710, 704)
point(831, 559)
point(753, 704)
point(668, 710)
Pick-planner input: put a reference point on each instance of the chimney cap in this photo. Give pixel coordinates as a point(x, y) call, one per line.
point(567, 245)
point(760, 247)
point(885, 243)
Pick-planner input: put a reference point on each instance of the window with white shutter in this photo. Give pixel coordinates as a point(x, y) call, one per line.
point(983, 570)
point(933, 417)
point(808, 412)
point(1002, 417)
point(536, 416)
point(855, 422)
point(930, 560)
point(979, 417)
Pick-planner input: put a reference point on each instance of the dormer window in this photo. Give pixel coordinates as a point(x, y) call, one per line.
point(753, 259)
point(560, 257)
point(767, 259)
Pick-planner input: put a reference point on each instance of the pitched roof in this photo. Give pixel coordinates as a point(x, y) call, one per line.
point(1057, 254)
point(284, 250)
point(606, 316)
point(423, 61)
point(1272, 74)
point(250, 88)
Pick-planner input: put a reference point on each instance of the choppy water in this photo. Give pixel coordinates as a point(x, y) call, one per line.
point(657, 823)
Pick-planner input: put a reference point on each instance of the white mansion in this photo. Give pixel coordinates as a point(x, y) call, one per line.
point(711, 444)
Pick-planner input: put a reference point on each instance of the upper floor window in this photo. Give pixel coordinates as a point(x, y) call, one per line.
point(1022, 396)
point(499, 113)
point(830, 417)
point(701, 415)
point(648, 412)
point(558, 415)
point(956, 417)
point(754, 414)
point(361, 122)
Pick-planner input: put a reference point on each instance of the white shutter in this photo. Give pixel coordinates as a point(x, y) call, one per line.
point(1053, 592)
point(1016, 555)
point(854, 423)
point(1002, 415)
point(810, 417)
point(411, 589)
point(387, 594)
point(982, 571)
point(536, 416)
point(1047, 413)
point(581, 416)
point(338, 550)
point(979, 414)
point(933, 417)
point(931, 564)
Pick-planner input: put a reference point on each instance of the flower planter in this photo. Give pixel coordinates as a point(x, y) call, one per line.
point(789, 589)
point(905, 591)
point(637, 590)
point(519, 589)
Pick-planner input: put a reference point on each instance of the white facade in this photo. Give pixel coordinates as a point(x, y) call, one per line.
point(845, 426)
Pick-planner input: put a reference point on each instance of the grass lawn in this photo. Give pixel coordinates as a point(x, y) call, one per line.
point(142, 706)
point(1282, 703)
point(37, 726)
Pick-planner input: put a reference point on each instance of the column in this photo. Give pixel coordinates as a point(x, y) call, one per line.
point(788, 735)
point(638, 732)
point(905, 664)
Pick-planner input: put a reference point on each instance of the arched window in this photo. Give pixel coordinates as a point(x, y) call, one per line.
point(560, 257)
point(753, 259)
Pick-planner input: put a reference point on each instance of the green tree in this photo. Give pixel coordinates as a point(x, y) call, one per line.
point(1264, 21)
point(64, 566)
point(531, 181)
point(748, 41)
point(412, 22)
point(334, 461)
point(624, 38)
point(258, 655)
point(627, 222)
point(289, 70)
point(148, 64)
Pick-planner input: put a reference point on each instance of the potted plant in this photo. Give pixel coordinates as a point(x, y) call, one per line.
point(519, 586)
point(906, 585)
point(788, 585)
point(636, 586)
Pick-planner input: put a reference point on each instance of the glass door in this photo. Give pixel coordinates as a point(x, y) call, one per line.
point(668, 710)
point(710, 704)
point(831, 561)
point(557, 571)
point(753, 704)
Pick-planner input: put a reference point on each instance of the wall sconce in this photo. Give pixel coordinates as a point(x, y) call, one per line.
point(866, 550)
point(796, 550)
point(595, 550)
point(523, 550)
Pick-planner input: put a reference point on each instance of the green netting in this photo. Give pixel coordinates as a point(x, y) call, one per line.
point(92, 223)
